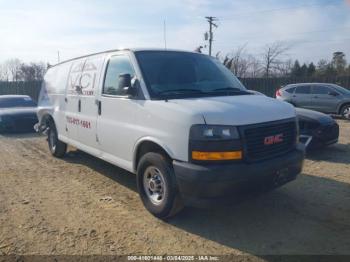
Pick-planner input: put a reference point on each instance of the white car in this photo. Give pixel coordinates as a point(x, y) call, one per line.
point(179, 120)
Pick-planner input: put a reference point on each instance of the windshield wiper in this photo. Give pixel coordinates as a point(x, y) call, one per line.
point(231, 89)
point(180, 91)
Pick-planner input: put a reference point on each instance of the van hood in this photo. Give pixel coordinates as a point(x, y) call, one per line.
point(237, 110)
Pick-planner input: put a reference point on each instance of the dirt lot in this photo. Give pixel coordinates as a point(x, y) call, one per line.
point(81, 205)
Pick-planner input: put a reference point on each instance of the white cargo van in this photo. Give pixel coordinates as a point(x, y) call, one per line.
point(179, 120)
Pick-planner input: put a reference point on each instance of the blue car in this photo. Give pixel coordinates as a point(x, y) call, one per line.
point(17, 114)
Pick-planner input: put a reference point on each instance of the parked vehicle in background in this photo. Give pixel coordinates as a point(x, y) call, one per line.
point(18, 114)
point(179, 120)
point(326, 98)
point(317, 129)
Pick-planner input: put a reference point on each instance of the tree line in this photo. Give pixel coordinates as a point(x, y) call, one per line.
point(15, 70)
point(275, 62)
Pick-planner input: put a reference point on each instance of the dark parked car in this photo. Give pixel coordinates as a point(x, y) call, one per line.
point(17, 114)
point(317, 129)
point(326, 98)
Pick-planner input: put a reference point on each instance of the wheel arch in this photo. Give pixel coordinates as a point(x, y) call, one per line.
point(146, 145)
point(341, 106)
point(44, 121)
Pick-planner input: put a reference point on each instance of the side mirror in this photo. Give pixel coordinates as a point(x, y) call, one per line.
point(333, 93)
point(124, 83)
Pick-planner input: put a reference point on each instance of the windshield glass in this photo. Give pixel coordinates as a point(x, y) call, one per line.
point(341, 89)
point(16, 102)
point(169, 73)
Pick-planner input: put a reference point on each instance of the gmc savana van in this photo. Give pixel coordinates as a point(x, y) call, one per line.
point(181, 121)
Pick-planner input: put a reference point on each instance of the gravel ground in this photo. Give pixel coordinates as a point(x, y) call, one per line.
point(81, 205)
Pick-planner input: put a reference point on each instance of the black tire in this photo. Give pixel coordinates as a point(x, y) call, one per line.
point(343, 110)
point(170, 202)
point(57, 147)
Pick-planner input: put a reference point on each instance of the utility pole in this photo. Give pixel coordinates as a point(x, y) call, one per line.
point(211, 20)
point(164, 33)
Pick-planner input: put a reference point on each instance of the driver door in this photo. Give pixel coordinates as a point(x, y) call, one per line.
point(116, 130)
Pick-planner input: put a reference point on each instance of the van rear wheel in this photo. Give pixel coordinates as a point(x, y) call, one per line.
point(157, 186)
point(57, 147)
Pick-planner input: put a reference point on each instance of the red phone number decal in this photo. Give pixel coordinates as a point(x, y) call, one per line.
point(78, 122)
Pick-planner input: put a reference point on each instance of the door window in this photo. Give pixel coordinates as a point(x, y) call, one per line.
point(320, 90)
point(290, 90)
point(303, 90)
point(117, 65)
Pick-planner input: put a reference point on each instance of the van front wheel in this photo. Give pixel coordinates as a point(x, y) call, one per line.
point(157, 186)
point(57, 147)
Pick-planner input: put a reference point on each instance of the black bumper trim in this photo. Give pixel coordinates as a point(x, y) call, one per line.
point(212, 181)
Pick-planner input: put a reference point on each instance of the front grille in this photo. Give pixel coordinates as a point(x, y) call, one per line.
point(255, 135)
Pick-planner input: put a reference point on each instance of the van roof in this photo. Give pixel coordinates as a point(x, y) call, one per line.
point(122, 49)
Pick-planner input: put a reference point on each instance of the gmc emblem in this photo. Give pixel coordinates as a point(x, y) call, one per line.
point(270, 140)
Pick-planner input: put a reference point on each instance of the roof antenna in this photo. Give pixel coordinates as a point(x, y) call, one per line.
point(164, 31)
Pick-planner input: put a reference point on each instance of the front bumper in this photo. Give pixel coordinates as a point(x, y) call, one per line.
point(324, 135)
point(18, 123)
point(327, 134)
point(198, 182)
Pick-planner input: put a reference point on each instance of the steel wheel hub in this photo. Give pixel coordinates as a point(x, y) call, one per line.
point(154, 185)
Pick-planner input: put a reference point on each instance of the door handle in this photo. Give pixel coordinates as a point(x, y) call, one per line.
point(79, 105)
point(99, 105)
point(315, 96)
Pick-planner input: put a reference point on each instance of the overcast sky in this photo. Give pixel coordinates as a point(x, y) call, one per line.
point(34, 30)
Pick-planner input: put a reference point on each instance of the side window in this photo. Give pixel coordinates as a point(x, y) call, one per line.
point(303, 90)
point(117, 65)
point(320, 90)
point(291, 90)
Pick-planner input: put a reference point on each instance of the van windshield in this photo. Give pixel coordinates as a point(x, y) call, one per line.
point(171, 74)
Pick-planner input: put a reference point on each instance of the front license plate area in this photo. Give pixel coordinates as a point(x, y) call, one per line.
point(282, 176)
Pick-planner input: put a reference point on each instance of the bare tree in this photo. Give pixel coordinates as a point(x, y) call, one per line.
point(4, 73)
point(254, 68)
point(285, 68)
point(32, 72)
point(239, 64)
point(271, 57)
point(237, 61)
point(13, 67)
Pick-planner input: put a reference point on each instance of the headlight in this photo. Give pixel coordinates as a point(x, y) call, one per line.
point(214, 143)
point(213, 132)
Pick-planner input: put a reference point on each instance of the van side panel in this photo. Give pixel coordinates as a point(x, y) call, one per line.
point(52, 96)
point(90, 81)
point(72, 98)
